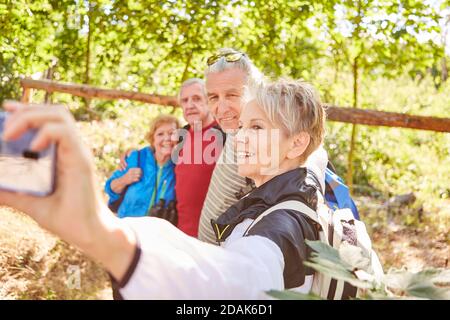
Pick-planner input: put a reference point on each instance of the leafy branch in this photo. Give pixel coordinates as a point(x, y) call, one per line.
point(350, 264)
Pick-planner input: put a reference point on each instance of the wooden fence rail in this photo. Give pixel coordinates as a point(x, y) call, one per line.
point(86, 91)
point(340, 114)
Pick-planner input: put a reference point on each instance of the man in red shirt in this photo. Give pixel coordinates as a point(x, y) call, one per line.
point(201, 145)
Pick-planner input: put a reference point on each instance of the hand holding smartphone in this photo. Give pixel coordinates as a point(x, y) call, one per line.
point(23, 170)
point(76, 211)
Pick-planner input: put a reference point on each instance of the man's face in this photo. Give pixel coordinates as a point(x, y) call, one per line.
point(194, 104)
point(224, 90)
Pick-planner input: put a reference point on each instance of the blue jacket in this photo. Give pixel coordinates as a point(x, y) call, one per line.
point(137, 200)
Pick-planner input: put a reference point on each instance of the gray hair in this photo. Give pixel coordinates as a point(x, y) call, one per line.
point(190, 82)
point(292, 105)
point(244, 63)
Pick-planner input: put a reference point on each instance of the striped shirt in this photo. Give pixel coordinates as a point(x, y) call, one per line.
point(225, 184)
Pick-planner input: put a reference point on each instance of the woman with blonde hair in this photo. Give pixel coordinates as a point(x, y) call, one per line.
point(148, 258)
point(149, 176)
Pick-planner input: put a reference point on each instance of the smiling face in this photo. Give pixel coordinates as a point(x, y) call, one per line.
point(194, 104)
point(262, 147)
point(281, 124)
point(162, 142)
point(225, 90)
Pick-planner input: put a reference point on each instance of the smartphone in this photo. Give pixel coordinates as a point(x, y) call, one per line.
point(23, 170)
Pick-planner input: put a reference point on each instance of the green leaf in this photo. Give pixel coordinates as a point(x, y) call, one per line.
point(420, 284)
point(428, 291)
point(337, 271)
point(291, 295)
point(326, 252)
point(437, 275)
point(327, 260)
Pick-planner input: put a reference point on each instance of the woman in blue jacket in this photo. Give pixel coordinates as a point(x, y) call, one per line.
point(149, 176)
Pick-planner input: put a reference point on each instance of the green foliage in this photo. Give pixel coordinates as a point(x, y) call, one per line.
point(327, 260)
point(290, 295)
point(151, 47)
point(393, 161)
point(396, 284)
point(421, 284)
point(380, 37)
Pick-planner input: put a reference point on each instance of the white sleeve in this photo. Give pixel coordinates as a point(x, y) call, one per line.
point(317, 162)
point(173, 265)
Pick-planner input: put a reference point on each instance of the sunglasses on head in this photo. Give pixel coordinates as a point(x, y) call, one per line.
point(230, 56)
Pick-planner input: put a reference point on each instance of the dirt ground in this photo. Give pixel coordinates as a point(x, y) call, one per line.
point(36, 265)
point(411, 248)
point(411, 237)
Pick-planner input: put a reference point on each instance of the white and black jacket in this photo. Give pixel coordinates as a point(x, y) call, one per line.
point(171, 265)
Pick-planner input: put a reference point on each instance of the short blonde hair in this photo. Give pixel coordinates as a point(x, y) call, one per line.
point(156, 123)
point(294, 106)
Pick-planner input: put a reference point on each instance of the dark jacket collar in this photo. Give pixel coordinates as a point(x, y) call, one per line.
point(290, 185)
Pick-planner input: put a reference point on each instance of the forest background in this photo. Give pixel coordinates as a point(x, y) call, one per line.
point(380, 55)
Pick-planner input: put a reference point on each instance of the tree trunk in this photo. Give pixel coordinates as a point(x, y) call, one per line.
point(353, 137)
point(444, 74)
point(336, 70)
point(191, 52)
point(87, 79)
point(186, 68)
point(444, 69)
point(355, 67)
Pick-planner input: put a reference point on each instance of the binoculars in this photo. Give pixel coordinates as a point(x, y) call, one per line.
point(168, 213)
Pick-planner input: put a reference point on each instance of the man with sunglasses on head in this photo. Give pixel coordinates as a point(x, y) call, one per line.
point(227, 73)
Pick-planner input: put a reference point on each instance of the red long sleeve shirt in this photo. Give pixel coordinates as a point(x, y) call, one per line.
point(193, 171)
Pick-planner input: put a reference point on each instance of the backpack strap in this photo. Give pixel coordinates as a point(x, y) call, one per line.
point(224, 135)
point(331, 167)
point(313, 177)
point(114, 207)
point(176, 151)
point(181, 138)
point(287, 205)
point(216, 127)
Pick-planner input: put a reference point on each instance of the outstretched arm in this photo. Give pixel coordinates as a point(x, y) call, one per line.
point(75, 211)
point(172, 264)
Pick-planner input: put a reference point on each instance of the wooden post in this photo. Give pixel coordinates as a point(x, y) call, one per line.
point(49, 76)
point(26, 95)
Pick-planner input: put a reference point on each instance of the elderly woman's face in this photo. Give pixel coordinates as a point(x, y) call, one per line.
point(162, 141)
point(261, 146)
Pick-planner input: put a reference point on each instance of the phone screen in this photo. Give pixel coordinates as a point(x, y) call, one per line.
point(22, 170)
